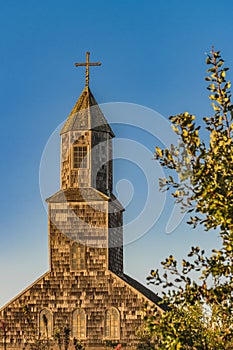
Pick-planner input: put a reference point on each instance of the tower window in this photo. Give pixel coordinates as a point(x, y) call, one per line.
point(80, 159)
point(78, 257)
point(112, 324)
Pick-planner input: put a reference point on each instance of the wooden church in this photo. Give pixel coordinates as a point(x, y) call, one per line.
point(85, 289)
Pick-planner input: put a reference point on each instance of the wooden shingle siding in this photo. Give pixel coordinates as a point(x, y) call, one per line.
point(96, 300)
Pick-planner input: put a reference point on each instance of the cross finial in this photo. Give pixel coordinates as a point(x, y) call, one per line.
point(87, 64)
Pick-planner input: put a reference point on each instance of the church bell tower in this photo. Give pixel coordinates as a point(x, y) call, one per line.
point(85, 213)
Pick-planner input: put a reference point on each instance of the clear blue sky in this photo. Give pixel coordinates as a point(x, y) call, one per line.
point(153, 54)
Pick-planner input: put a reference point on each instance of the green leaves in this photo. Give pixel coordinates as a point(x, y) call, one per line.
point(205, 169)
point(199, 291)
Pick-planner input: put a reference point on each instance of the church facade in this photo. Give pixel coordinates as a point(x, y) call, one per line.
point(85, 290)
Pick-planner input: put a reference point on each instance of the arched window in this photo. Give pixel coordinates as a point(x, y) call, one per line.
point(78, 257)
point(79, 324)
point(112, 324)
point(45, 323)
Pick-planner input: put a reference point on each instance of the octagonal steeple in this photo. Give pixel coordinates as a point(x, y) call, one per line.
point(86, 115)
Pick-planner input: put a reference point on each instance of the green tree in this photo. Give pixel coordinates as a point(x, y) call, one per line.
point(200, 314)
point(62, 337)
point(77, 344)
point(66, 332)
point(58, 338)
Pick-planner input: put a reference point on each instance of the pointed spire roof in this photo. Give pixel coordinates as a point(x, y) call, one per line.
point(86, 115)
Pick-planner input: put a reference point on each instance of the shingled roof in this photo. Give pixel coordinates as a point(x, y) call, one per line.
point(83, 194)
point(143, 290)
point(86, 115)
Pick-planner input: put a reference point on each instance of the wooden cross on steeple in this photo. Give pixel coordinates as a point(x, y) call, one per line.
point(87, 64)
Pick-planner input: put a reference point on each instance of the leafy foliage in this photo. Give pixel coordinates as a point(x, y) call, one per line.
point(62, 338)
point(58, 338)
point(112, 344)
point(146, 340)
point(78, 345)
point(66, 331)
point(200, 312)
